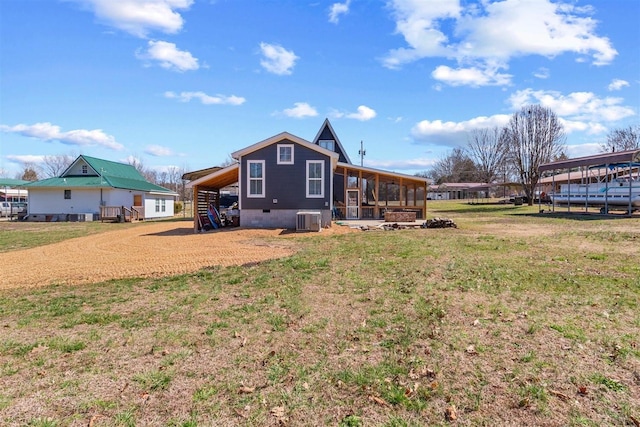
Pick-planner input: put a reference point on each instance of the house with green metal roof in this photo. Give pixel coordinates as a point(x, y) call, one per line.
point(92, 188)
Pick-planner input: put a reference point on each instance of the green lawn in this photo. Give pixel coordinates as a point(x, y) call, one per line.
point(513, 318)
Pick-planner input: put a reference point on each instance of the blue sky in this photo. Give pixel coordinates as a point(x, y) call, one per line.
point(183, 83)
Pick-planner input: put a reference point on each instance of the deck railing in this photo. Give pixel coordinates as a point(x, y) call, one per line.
point(121, 213)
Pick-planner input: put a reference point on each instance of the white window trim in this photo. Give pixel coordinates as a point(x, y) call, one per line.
point(281, 162)
point(264, 182)
point(315, 196)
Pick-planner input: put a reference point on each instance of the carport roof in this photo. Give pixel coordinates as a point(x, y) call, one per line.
point(217, 179)
point(598, 159)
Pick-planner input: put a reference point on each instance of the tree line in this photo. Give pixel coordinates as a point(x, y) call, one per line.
point(533, 136)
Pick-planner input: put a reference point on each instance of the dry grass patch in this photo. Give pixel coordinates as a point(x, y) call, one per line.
point(467, 326)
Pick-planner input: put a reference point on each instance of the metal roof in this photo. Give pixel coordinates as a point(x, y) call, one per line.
point(108, 175)
point(8, 182)
point(628, 156)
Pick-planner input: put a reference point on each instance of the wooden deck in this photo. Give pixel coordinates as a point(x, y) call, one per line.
point(121, 213)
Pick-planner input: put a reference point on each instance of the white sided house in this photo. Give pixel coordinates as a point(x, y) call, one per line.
point(96, 189)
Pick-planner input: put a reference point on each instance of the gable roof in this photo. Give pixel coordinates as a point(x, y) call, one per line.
point(282, 136)
point(105, 168)
point(107, 174)
point(327, 128)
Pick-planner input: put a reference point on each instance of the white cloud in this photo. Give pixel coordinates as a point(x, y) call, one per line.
point(206, 99)
point(139, 17)
point(470, 76)
point(158, 151)
point(581, 106)
point(276, 59)
point(80, 137)
point(169, 56)
point(580, 150)
point(542, 73)
point(486, 35)
point(454, 133)
point(591, 128)
point(407, 164)
point(617, 84)
point(300, 111)
point(338, 9)
point(26, 159)
point(363, 114)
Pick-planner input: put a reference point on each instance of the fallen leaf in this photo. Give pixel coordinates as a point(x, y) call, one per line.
point(559, 394)
point(93, 419)
point(582, 390)
point(278, 411)
point(246, 390)
point(450, 413)
point(240, 414)
point(379, 401)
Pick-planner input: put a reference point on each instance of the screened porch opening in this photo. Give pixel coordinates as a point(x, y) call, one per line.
point(365, 194)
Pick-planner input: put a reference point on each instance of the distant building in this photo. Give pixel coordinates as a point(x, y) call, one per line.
point(92, 188)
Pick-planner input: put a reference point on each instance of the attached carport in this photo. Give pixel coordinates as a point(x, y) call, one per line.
point(206, 189)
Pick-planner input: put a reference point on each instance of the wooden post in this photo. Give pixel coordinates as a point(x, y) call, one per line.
point(194, 209)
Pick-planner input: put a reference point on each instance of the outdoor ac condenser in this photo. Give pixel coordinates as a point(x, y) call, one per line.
point(308, 221)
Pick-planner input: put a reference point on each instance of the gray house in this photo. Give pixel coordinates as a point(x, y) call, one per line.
point(286, 181)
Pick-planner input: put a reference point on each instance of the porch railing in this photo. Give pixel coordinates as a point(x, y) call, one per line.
point(121, 213)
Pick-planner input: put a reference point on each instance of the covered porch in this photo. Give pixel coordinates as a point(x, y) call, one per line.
point(365, 193)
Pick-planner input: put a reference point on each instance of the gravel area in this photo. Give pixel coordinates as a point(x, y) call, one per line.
point(151, 250)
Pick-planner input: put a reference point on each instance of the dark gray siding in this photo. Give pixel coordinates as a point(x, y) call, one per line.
point(286, 183)
point(327, 134)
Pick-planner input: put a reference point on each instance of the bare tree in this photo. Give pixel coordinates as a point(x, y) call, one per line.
point(534, 136)
point(488, 149)
point(174, 175)
point(622, 139)
point(53, 166)
point(148, 174)
point(228, 161)
point(454, 167)
point(29, 173)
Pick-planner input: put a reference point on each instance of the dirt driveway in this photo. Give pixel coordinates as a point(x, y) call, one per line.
point(150, 250)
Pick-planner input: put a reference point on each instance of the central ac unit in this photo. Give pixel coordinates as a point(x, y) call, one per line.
point(308, 221)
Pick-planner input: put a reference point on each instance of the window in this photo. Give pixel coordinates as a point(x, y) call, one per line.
point(157, 205)
point(85, 169)
point(255, 178)
point(67, 194)
point(315, 178)
point(285, 154)
point(329, 144)
point(164, 205)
